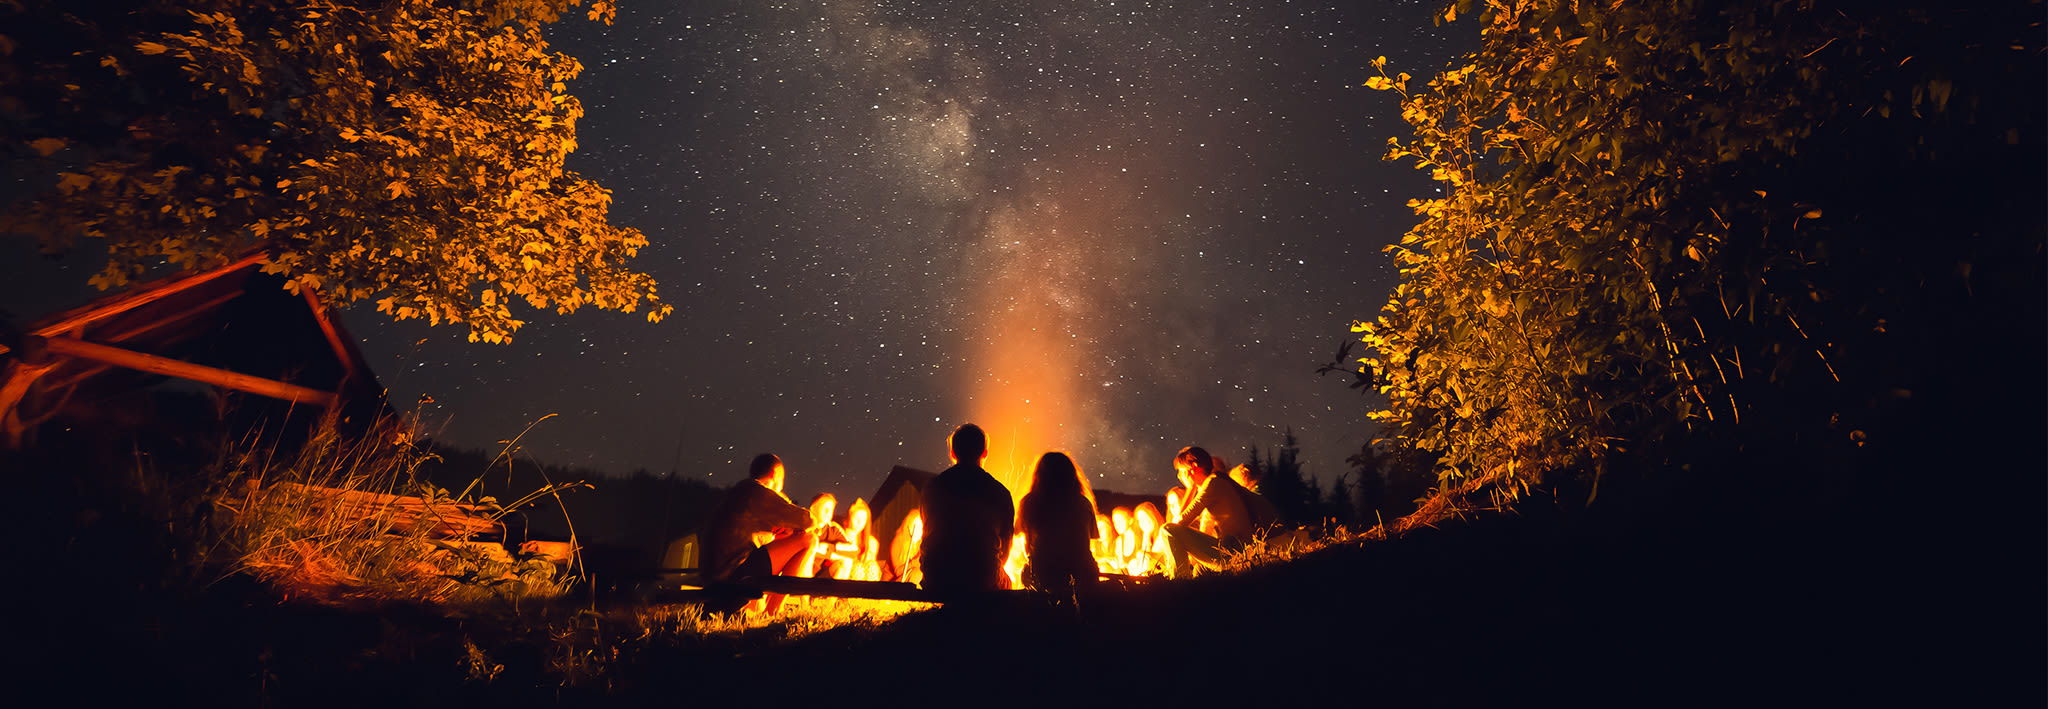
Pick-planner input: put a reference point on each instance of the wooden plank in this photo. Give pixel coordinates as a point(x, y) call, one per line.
point(557, 553)
point(800, 586)
point(489, 550)
point(874, 590)
point(437, 522)
point(449, 520)
point(185, 370)
point(139, 296)
point(115, 337)
point(118, 336)
point(733, 595)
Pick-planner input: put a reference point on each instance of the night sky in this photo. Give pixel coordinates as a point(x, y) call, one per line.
point(1110, 228)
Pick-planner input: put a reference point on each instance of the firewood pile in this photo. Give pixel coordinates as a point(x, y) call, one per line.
point(405, 514)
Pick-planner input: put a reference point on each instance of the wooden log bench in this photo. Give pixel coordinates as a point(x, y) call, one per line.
point(738, 592)
point(685, 586)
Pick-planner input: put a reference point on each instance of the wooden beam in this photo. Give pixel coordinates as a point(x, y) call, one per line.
point(119, 336)
point(341, 351)
point(148, 293)
point(123, 335)
point(14, 384)
point(70, 347)
point(139, 296)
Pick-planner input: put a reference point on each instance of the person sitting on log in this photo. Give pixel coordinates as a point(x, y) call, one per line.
point(1262, 511)
point(1058, 521)
point(968, 521)
point(1225, 501)
point(756, 506)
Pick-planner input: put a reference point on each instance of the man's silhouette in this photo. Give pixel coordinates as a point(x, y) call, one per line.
point(968, 521)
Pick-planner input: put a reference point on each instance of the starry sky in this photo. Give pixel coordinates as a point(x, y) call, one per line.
point(1110, 228)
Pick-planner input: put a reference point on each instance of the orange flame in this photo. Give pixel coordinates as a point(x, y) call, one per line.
point(1013, 567)
point(1027, 391)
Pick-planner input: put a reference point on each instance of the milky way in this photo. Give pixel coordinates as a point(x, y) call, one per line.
point(1111, 228)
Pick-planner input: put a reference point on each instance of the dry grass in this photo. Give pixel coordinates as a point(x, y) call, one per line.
point(284, 524)
point(1281, 547)
point(1284, 546)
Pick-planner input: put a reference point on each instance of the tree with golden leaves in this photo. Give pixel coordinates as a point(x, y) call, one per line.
point(1713, 226)
point(408, 152)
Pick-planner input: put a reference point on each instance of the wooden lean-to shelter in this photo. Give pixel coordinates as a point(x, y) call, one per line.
point(231, 327)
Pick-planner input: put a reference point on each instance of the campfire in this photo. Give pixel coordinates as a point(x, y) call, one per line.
point(1131, 542)
point(869, 552)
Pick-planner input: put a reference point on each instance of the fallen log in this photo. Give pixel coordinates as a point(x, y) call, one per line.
point(872, 590)
point(406, 514)
point(751, 588)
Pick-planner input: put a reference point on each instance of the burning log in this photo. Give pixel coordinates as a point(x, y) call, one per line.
point(1013, 565)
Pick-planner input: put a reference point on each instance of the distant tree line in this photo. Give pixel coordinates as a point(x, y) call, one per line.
point(630, 518)
point(1381, 485)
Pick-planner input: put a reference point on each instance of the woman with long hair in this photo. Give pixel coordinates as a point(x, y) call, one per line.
point(1057, 520)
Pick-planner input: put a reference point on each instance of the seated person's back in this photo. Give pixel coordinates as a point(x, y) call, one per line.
point(1058, 521)
point(968, 521)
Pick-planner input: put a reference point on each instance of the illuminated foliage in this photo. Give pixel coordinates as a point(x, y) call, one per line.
point(1661, 217)
point(406, 152)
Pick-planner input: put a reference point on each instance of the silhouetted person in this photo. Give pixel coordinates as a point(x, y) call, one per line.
point(1263, 512)
point(968, 521)
point(829, 535)
point(1228, 504)
point(756, 507)
point(1057, 520)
